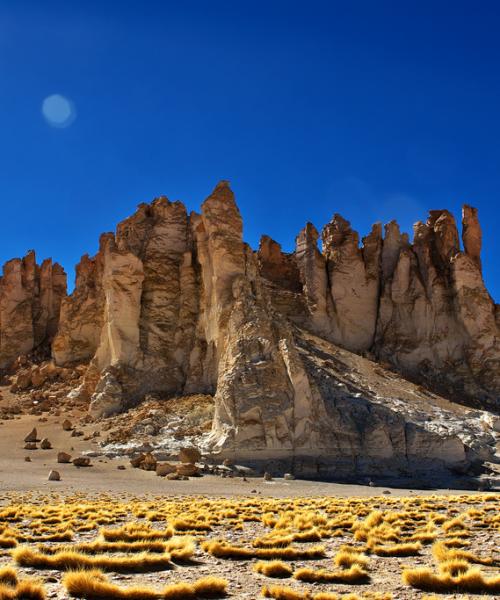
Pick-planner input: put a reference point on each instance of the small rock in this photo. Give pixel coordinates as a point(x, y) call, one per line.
point(387, 492)
point(81, 461)
point(268, 476)
point(173, 476)
point(27, 459)
point(32, 436)
point(121, 467)
point(30, 446)
point(63, 457)
point(67, 425)
point(45, 444)
point(54, 476)
point(288, 476)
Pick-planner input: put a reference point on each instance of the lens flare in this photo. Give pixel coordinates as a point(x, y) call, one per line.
point(58, 111)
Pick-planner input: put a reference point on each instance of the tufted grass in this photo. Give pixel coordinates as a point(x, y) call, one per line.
point(93, 585)
point(273, 568)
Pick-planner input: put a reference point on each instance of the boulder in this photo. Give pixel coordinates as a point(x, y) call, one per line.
point(137, 460)
point(189, 455)
point(63, 457)
point(164, 469)
point(81, 461)
point(32, 436)
point(188, 470)
point(22, 381)
point(148, 463)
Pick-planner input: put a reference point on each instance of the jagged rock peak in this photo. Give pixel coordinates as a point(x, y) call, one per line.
point(471, 233)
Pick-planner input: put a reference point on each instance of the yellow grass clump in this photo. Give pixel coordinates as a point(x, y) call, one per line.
point(442, 553)
point(404, 549)
point(286, 593)
point(226, 550)
point(354, 575)
point(93, 585)
point(347, 557)
point(136, 533)
point(273, 568)
point(8, 576)
point(27, 589)
point(68, 560)
point(472, 581)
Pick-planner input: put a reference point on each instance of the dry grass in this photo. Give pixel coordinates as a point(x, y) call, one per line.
point(136, 533)
point(347, 557)
point(146, 534)
point(273, 568)
point(286, 593)
point(354, 575)
point(27, 589)
point(405, 549)
point(8, 576)
point(442, 553)
point(68, 560)
point(100, 547)
point(472, 581)
point(226, 550)
point(92, 585)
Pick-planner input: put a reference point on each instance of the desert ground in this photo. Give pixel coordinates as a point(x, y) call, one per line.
point(112, 531)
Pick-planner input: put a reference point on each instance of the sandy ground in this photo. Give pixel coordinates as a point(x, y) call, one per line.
point(103, 476)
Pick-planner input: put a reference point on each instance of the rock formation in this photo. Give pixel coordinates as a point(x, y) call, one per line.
point(178, 304)
point(30, 300)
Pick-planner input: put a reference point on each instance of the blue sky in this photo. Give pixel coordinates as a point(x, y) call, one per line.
point(376, 110)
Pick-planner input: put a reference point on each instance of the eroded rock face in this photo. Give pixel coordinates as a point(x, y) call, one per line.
point(30, 300)
point(179, 304)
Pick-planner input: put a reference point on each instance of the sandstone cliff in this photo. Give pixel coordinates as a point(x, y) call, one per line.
point(178, 304)
point(30, 301)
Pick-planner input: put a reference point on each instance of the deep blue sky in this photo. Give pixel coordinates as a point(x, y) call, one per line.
point(376, 110)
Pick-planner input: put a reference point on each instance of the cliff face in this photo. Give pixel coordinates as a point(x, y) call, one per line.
point(179, 304)
point(30, 300)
